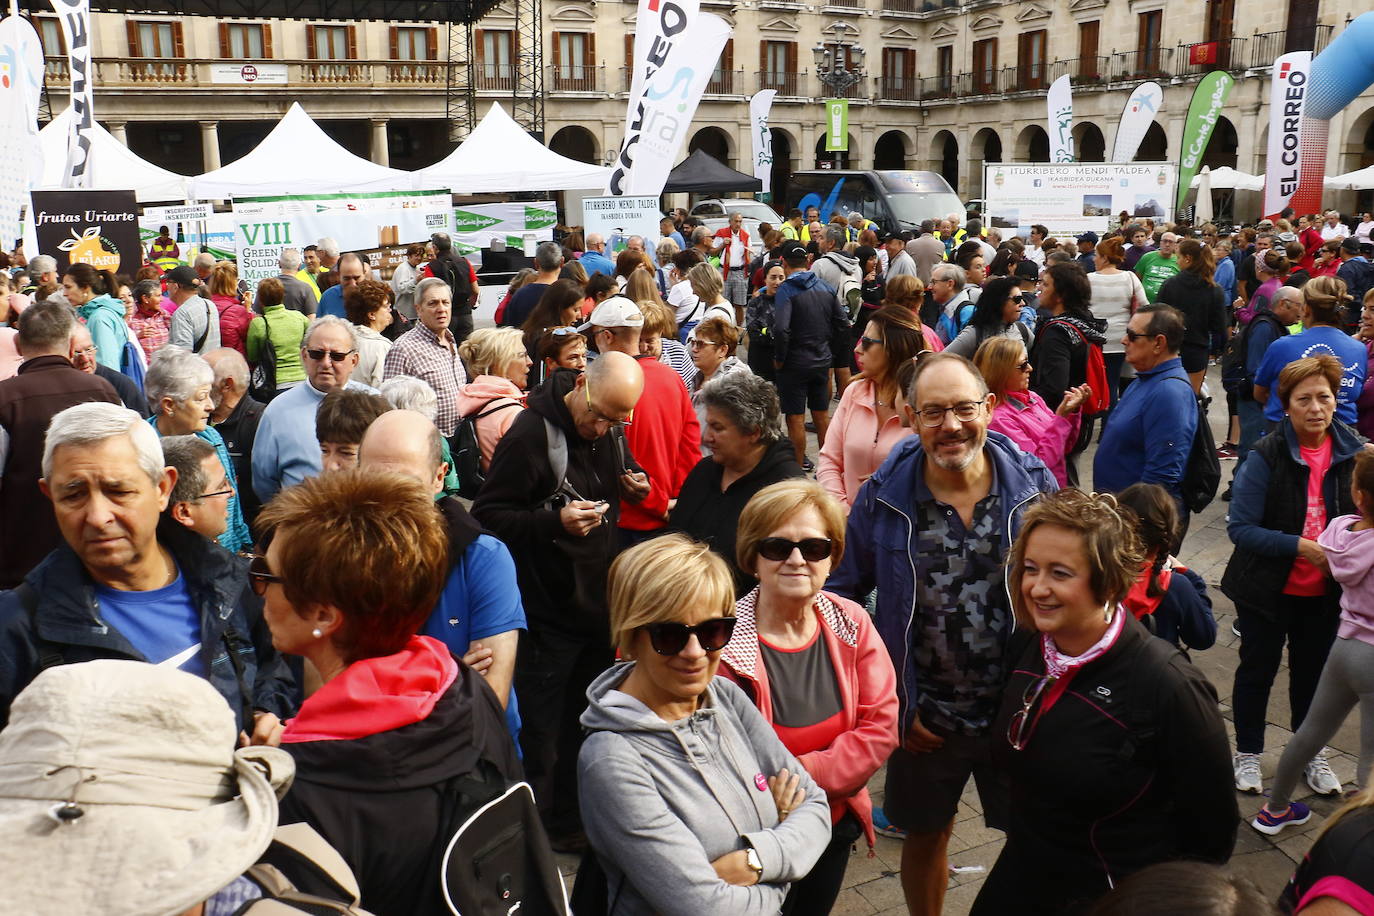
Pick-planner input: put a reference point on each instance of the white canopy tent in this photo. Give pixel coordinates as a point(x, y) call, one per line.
point(1228, 179)
point(297, 157)
point(113, 166)
point(1361, 180)
point(500, 156)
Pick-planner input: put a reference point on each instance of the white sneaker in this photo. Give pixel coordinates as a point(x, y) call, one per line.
point(1320, 777)
point(1248, 777)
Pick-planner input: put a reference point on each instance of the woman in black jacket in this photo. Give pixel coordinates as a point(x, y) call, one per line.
point(1116, 752)
point(1062, 344)
point(355, 563)
point(1195, 293)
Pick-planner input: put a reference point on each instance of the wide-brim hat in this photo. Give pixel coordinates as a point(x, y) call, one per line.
point(121, 793)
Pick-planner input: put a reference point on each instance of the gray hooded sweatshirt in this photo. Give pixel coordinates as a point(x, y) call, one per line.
point(663, 800)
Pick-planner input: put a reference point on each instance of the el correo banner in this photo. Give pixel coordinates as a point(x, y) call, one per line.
point(759, 107)
point(1140, 112)
point(837, 125)
point(265, 226)
point(659, 26)
point(99, 228)
point(475, 225)
point(1059, 101)
point(1287, 92)
point(615, 219)
point(1070, 199)
point(671, 95)
point(21, 61)
point(1209, 98)
point(248, 74)
point(75, 17)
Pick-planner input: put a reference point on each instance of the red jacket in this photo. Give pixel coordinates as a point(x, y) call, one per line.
point(233, 323)
point(725, 249)
point(868, 690)
point(665, 438)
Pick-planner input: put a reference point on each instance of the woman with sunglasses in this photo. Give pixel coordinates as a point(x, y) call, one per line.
point(1116, 752)
point(690, 801)
point(354, 564)
point(997, 314)
point(815, 667)
point(1022, 415)
point(868, 421)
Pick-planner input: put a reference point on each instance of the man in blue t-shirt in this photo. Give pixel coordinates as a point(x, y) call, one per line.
point(1321, 336)
point(479, 615)
point(352, 271)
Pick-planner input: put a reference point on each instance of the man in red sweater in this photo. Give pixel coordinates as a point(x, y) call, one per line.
point(663, 433)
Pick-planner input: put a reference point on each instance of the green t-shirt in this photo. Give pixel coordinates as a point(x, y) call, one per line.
point(1154, 269)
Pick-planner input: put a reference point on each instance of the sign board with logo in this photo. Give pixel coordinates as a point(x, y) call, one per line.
point(248, 74)
point(185, 213)
point(618, 218)
point(265, 226)
point(1070, 199)
point(476, 225)
point(837, 125)
point(99, 228)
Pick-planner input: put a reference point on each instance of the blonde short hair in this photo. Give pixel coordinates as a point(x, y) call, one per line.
point(770, 509)
point(998, 359)
point(706, 282)
point(488, 351)
point(646, 585)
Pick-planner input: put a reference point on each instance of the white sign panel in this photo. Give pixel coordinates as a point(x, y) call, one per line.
point(186, 213)
point(257, 74)
point(476, 225)
point(1070, 199)
point(618, 218)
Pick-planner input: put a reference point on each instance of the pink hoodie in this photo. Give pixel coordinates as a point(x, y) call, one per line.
point(1037, 429)
point(474, 397)
point(1350, 554)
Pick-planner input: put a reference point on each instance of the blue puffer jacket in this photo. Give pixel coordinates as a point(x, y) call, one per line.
point(882, 518)
point(70, 628)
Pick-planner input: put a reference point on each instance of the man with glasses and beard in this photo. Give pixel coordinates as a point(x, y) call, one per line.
point(285, 451)
point(929, 530)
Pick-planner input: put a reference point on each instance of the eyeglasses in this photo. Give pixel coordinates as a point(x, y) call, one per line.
point(964, 411)
point(1018, 732)
point(228, 492)
point(259, 576)
point(598, 415)
point(1024, 366)
point(1133, 336)
point(1018, 298)
point(813, 550)
point(696, 343)
point(335, 355)
point(671, 638)
point(87, 351)
point(866, 342)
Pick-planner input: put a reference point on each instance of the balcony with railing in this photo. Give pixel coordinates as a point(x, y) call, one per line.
point(843, 7)
point(787, 84)
point(903, 6)
point(726, 82)
point(1148, 63)
point(493, 77)
point(118, 72)
point(1223, 54)
point(1264, 47)
point(571, 78)
point(899, 89)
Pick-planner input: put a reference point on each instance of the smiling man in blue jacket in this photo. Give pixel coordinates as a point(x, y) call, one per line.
point(1150, 431)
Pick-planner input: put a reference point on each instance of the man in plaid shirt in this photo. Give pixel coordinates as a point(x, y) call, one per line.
point(429, 351)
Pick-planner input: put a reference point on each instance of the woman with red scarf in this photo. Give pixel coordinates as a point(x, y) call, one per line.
point(1115, 750)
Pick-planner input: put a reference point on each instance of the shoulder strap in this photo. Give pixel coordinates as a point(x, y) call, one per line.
point(509, 402)
point(558, 454)
point(209, 316)
point(49, 654)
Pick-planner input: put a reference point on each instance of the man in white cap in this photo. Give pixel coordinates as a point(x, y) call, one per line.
point(665, 437)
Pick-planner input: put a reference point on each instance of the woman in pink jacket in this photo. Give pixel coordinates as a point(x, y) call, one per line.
point(500, 369)
point(814, 666)
point(868, 422)
point(1021, 414)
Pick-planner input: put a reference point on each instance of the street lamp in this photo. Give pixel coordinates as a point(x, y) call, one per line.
point(839, 65)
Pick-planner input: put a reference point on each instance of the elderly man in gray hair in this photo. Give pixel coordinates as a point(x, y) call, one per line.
point(120, 586)
point(429, 351)
point(235, 417)
point(297, 294)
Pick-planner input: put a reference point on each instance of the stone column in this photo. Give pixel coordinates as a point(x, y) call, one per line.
point(379, 153)
point(1248, 151)
point(116, 130)
point(209, 142)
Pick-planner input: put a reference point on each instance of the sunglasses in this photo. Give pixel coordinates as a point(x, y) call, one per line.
point(335, 355)
point(260, 576)
point(1024, 366)
point(696, 343)
point(671, 638)
point(1133, 336)
point(866, 342)
point(1018, 298)
point(813, 550)
point(1020, 727)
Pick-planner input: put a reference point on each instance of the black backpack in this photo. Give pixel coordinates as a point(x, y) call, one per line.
point(1202, 473)
point(467, 451)
point(262, 382)
point(1234, 378)
point(496, 857)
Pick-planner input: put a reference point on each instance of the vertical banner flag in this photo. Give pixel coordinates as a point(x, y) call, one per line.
point(1287, 89)
point(759, 107)
point(21, 82)
point(1208, 100)
point(837, 125)
point(1338, 75)
point(1060, 102)
point(1140, 112)
point(664, 116)
point(75, 17)
point(659, 24)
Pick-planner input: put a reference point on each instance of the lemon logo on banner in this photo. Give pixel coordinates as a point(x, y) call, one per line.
point(467, 221)
point(539, 218)
point(837, 125)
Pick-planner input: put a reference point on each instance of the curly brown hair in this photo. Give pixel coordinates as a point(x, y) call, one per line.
point(362, 301)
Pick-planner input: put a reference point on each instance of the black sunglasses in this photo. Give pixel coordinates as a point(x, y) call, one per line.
point(813, 550)
point(335, 355)
point(671, 638)
point(866, 342)
point(260, 576)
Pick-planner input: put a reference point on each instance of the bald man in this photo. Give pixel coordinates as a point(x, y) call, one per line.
point(479, 615)
point(561, 530)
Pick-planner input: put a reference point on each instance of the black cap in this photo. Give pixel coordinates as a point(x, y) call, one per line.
point(183, 276)
point(1026, 269)
point(793, 250)
point(894, 235)
point(1351, 244)
point(1089, 237)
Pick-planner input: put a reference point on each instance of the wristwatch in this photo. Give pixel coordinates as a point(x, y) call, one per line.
point(751, 857)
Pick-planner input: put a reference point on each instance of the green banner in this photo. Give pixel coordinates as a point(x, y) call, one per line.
point(837, 125)
point(467, 221)
point(1208, 100)
point(540, 218)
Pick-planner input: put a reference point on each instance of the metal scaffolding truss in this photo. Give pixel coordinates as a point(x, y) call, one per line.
point(527, 102)
point(460, 104)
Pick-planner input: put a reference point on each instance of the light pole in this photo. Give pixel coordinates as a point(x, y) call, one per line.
point(839, 63)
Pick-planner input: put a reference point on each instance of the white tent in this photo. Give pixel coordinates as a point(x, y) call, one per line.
point(113, 166)
point(297, 157)
point(1228, 179)
point(500, 156)
point(1361, 180)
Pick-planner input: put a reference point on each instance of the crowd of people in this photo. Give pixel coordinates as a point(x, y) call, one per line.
point(388, 567)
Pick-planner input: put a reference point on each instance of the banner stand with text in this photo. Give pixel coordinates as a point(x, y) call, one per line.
point(99, 228)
